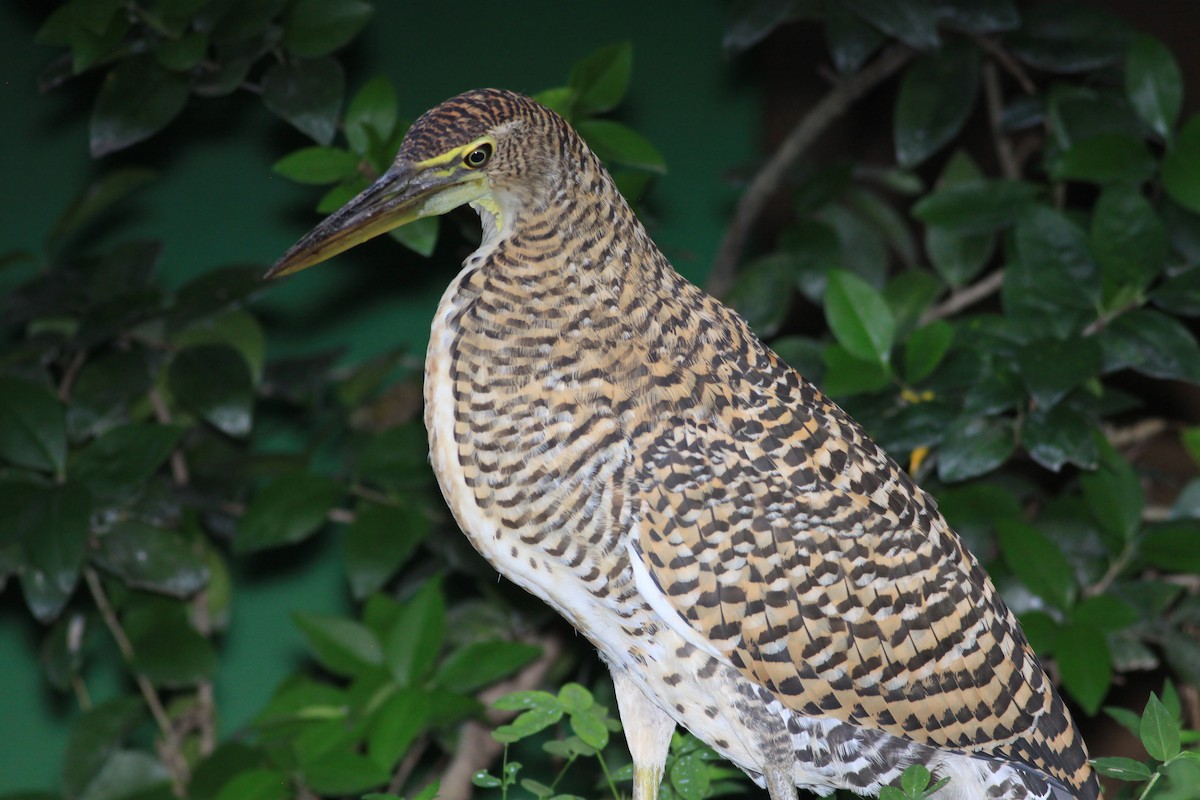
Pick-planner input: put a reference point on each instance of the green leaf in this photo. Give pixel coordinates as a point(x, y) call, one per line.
point(909, 295)
point(396, 726)
point(974, 446)
point(859, 317)
point(847, 374)
point(993, 16)
point(975, 208)
point(120, 461)
point(691, 776)
point(415, 640)
point(259, 784)
point(1106, 613)
point(380, 541)
point(481, 663)
point(851, 40)
point(1129, 241)
point(287, 510)
point(137, 99)
point(925, 349)
point(749, 23)
point(1051, 368)
point(1179, 294)
point(1114, 495)
point(97, 734)
point(936, 97)
point(620, 144)
point(1085, 664)
point(150, 558)
point(914, 780)
point(167, 649)
point(575, 699)
point(214, 382)
point(420, 236)
point(912, 21)
point(372, 112)
point(1038, 562)
point(215, 770)
point(1122, 769)
point(33, 426)
point(127, 774)
point(1153, 344)
point(314, 28)
point(306, 94)
point(105, 389)
point(1052, 287)
point(590, 727)
point(1060, 435)
point(958, 258)
point(1110, 158)
point(236, 328)
point(62, 649)
point(183, 53)
point(317, 165)
point(53, 524)
point(601, 80)
point(763, 293)
point(341, 772)
point(1159, 730)
point(1173, 546)
point(1181, 167)
point(97, 197)
point(343, 646)
point(1154, 84)
point(1070, 37)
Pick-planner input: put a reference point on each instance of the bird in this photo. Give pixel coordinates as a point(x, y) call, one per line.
point(748, 563)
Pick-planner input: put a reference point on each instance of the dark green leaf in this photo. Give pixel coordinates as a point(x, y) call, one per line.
point(415, 640)
point(54, 524)
point(859, 317)
point(61, 652)
point(620, 144)
point(228, 760)
point(1154, 84)
point(481, 663)
point(214, 382)
point(887, 222)
point(977, 207)
point(343, 646)
point(1085, 664)
point(1077, 113)
point(851, 40)
point(1060, 435)
point(1037, 561)
point(97, 197)
point(1179, 294)
point(380, 541)
point(763, 293)
point(419, 236)
point(863, 251)
point(936, 97)
point(371, 113)
point(1106, 613)
point(1122, 769)
point(909, 295)
point(1070, 37)
point(1052, 287)
point(1173, 546)
point(846, 374)
point(236, 328)
point(396, 725)
point(33, 428)
point(167, 649)
point(259, 784)
point(815, 250)
point(925, 349)
point(307, 94)
point(601, 80)
point(1128, 240)
point(912, 21)
point(958, 258)
point(1151, 343)
point(289, 509)
point(105, 389)
point(1111, 158)
point(137, 99)
point(121, 460)
point(342, 772)
point(992, 16)
point(1159, 730)
point(183, 53)
point(1051, 368)
point(317, 165)
point(691, 777)
point(98, 733)
point(314, 28)
point(974, 446)
point(1114, 496)
point(1181, 167)
point(128, 774)
point(151, 558)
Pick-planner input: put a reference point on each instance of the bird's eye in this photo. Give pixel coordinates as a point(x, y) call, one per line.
point(479, 156)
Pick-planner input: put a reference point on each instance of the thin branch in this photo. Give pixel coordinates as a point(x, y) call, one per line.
point(179, 467)
point(964, 298)
point(995, 108)
point(408, 764)
point(1135, 434)
point(770, 176)
point(1010, 64)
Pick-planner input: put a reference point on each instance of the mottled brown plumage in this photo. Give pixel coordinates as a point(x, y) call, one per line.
point(748, 563)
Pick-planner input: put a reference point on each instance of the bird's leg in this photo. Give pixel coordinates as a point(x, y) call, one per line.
point(648, 731)
point(781, 785)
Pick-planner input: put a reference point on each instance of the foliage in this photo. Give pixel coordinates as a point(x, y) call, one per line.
point(1000, 311)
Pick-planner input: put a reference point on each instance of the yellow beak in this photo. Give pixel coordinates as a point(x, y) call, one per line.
point(404, 193)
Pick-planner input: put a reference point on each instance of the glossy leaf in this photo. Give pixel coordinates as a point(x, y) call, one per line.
point(1179, 294)
point(1128, 240)
point(909, 295)
point(1111, 158)
point(1051, 368)
point(54, 523)
point(1122, 769)
point(307, 94)
point(317, 165)
point(992, 16)
point(1037, 561)
point(1085, 664)
point(314, 28)
point(957, 257)
point(380, 541)
point(146, 557)
point(214, 382)
point(1053, 282)
point(481, 663)
point(121, 460)
point(1151, 343)
point(762, 293)
point(1159, 730)
point(258, 784)
point(167, 649)
point(33, 430)
point(1058, 436)
point(751, 21)
point(1181, 167)
point(397, 723)
point(1115, 497)
point(620, 144)
point(413, 644)
point(859, 317)
point(343, 646)
point(99, 196)
point(601, 80)
point(1070, 37)
point(287, 510)
point(974, 446)
point(137, 99)
point(847, 374)
point(851, 39)
point(1172, 546)
point(975, 208)
point(1154, 84)
point(936, 97)
point(911, 21)
point(925, 349)
point(371, 113)
point(99, 732)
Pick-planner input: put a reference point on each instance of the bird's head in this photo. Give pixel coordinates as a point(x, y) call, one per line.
point(481, 148)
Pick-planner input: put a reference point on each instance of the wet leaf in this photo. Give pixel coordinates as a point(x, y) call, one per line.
point(214, 382)
point(145, 557)
point(307, 94)
point(287, 510)
point(1038, 562)
point(937, 95)
point(380, 541)
point(33, 430)
point(1154, 84)
point(137, 99)
point(974, 446)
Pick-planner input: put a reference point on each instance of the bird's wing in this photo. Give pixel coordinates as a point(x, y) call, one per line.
point(791, 543)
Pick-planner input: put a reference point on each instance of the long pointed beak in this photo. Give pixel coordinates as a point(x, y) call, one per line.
point(402, 194)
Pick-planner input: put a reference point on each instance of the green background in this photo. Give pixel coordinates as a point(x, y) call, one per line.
point(217, 202)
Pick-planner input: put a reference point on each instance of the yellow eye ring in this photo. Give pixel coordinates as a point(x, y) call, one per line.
point(478, 157)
